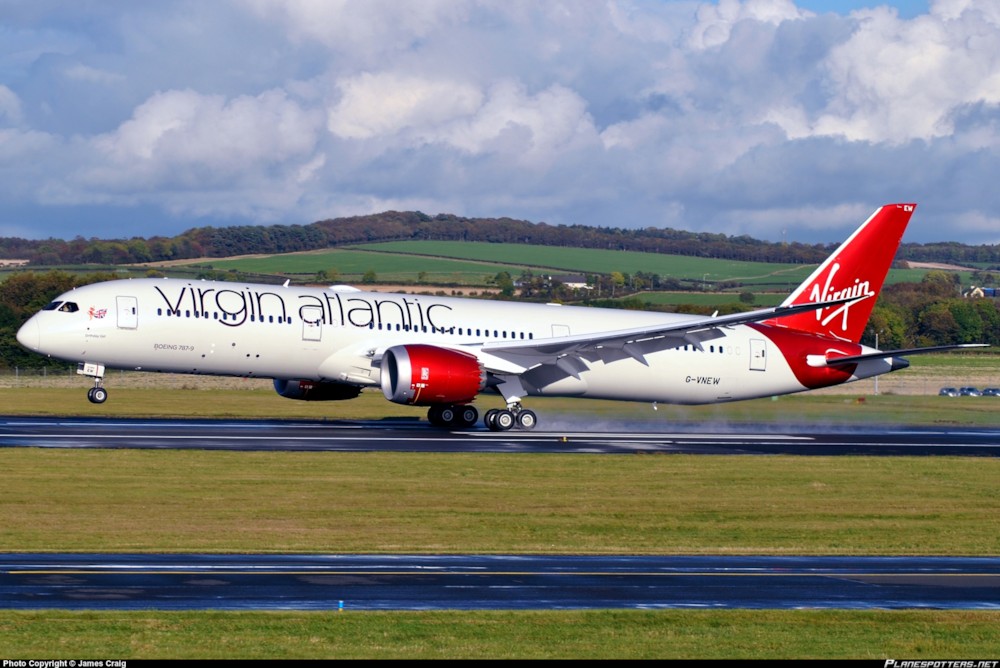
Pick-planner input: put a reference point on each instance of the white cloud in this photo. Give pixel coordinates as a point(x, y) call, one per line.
point(511, 121)
point(93, 75)
point(728, 115)
point(715, 22)
point(374, 105)
point(10, 107)
point(895, 81)
point(504, 120)
point(175, 129)
point(365, 28)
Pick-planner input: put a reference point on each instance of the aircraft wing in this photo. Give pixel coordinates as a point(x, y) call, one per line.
point(566, 352)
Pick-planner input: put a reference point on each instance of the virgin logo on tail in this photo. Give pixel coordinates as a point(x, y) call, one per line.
point(865, 257)
point(860, 290)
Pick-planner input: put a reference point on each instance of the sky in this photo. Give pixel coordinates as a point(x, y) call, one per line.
point(778, 119)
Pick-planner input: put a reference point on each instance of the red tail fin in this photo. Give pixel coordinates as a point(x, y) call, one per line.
point(857, 269)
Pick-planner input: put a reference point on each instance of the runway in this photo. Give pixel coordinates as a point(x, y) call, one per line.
point(500, 582)
point(417, 436)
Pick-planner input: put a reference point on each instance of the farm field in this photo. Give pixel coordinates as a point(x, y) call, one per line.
point(431, 263)
point(351, 266)
point(583, 260)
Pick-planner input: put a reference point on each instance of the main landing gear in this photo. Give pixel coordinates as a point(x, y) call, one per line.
point(452, 417)
point(464, 416)
point(511, 389)
point(510, 417)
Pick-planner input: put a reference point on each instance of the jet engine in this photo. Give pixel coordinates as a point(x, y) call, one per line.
point(423, 375)
point(313, 390)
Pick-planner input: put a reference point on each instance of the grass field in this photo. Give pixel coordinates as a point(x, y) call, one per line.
point(191, 501)
point(598, 634)
point(351, 265)
point(64, 500)
point(601, 261)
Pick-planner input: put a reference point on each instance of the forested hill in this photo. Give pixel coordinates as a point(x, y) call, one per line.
point(394, 225)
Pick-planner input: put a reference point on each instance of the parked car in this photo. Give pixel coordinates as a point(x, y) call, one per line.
point(948, 392)
point(969, 392)
point(991, 392)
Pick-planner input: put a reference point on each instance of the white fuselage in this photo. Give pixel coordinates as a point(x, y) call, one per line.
point(339, 334)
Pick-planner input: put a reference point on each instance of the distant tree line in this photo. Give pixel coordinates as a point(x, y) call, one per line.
point(414, 225)
point(931, 313)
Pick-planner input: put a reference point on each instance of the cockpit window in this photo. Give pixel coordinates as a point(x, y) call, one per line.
point(65, 307)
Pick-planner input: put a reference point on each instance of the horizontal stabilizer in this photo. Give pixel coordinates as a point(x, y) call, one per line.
point(883, 354)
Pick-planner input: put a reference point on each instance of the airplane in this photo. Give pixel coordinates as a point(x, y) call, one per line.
point(439, 352)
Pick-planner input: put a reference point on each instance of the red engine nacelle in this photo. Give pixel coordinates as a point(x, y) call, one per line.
point(314, 390)
point(422, 375)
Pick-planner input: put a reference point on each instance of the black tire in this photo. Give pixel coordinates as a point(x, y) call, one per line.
point(449, 416)
point(434, 416)
point(97, 395)
point(504, 420)
point(468, 416)
point(527, 420)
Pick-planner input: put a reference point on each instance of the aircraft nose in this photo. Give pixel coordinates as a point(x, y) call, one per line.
point(29, 335)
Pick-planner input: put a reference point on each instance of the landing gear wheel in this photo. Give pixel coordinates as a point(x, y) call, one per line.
point(489, 419)
point(468, 416)
point(503, 420)
point(526, 420)
point(434, 416)
point(448, 416)
point(97, 395)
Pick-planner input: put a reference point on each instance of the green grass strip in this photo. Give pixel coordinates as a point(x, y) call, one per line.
point(205, 501)
point(599, 634)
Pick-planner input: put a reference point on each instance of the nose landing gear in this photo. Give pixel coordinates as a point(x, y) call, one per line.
point(97, 394)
